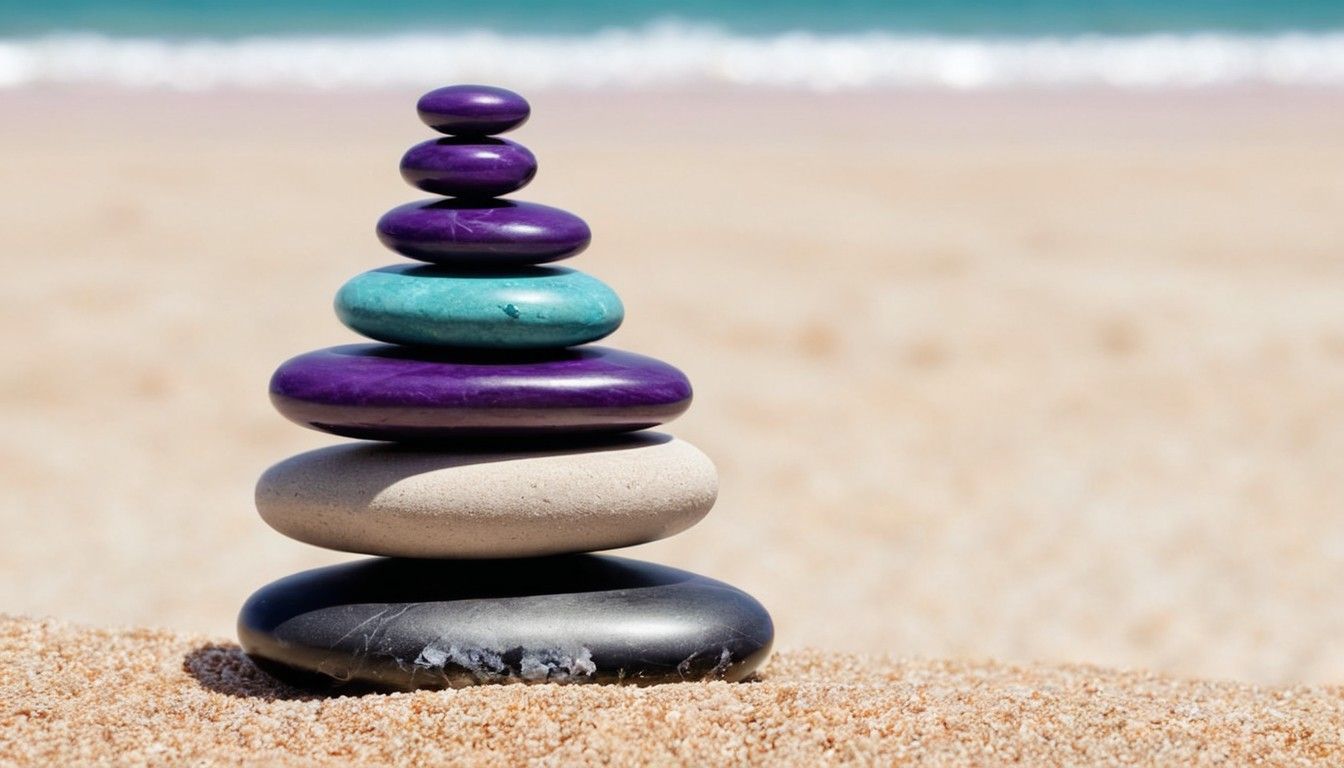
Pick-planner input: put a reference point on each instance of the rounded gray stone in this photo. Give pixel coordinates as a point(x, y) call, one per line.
point(379, 499)
point(400, 624)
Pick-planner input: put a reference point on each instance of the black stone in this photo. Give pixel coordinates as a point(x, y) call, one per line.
point(394, 624)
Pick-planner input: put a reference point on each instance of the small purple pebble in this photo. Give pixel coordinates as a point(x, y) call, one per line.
point(468, 166)
point(472, 110)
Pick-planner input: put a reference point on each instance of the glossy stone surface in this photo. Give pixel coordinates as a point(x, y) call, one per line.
point(482, 233)
point(382, 392)
point(472, 110)
point(468, 166)
point(523, 308)
point(393, 624)
point(381, 499)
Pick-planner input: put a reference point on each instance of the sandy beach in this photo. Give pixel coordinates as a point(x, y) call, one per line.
point(188, 699)
point(1040, 378)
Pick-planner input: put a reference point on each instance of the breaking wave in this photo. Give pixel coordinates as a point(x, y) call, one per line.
point(673, 55)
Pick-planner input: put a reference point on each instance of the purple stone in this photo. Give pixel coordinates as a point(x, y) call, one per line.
point(472, 110)
point(465, 167)
point(482, 233)
point(386, 392)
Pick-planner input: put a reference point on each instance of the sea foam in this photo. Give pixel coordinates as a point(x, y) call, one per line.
point(673, 54)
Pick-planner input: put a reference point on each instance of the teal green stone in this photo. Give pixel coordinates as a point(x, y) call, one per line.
point(524, 308)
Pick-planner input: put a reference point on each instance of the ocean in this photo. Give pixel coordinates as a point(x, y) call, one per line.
point(834, 45)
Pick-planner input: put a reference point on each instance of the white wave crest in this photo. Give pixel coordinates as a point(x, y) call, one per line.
point(676, 55)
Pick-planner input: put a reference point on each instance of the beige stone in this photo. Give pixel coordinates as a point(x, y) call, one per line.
point(387, 500)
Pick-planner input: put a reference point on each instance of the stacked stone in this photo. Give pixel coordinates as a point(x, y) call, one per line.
point(504, 452)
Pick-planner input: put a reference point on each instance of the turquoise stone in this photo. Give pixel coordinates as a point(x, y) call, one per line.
point(524, 308)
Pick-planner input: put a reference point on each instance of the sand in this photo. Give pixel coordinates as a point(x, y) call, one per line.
point(81, 696)
point(1044, 378)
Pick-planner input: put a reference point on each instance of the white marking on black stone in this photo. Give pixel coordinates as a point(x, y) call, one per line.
point(725, 661)
point(519, 664)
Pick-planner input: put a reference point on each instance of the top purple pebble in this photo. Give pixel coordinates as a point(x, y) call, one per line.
point(472, 110)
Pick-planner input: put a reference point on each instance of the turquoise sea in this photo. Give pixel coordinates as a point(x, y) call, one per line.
point(838, 44)
point(951, 17)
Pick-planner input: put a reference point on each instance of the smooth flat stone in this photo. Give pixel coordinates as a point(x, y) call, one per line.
point(378, 499)
point(482, 233)
point(382, 392)
point(472, 110)
point(468, 166)
point(394, 624)
point(524, 308)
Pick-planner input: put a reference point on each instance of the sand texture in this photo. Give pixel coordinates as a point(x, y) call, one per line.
point(80, 696)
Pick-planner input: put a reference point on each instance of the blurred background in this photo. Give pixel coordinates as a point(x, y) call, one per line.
point(1017, 328)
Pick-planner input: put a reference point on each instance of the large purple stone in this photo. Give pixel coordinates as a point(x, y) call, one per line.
point(468, 166)
point(483, 233)
point(472, 110)
point(385, 392)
